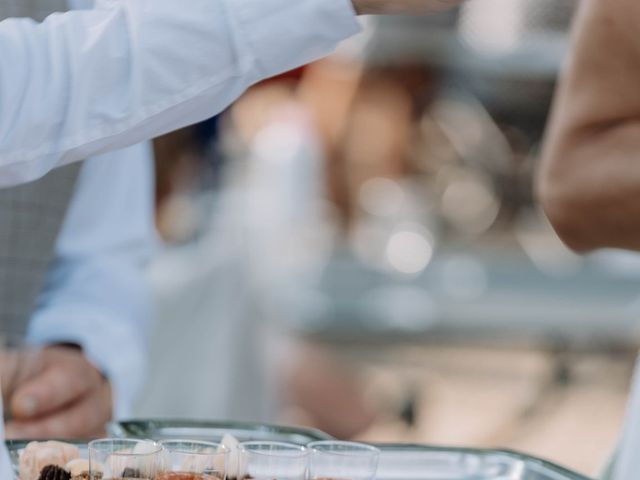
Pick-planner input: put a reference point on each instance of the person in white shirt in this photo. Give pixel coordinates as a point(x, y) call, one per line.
point(72, 250)
point(95, 296)
point(588, 184)
point(86, 82)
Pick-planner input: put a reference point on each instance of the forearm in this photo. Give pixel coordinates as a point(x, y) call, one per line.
point(96, 294)
point(590, 187)
point(129, 71)
point(116, 75)
point(589, 182)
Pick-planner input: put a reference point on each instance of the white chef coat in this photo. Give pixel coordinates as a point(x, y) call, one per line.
point(86, 82)
point(95, 292)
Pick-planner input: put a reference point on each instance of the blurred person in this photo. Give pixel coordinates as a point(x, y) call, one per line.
point(588, 185)
point(72, 250)
point(343, 104)
point(87, 82)
point(324, 393)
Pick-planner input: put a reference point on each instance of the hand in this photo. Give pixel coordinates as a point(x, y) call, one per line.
point(366, 7)
point(64, 396)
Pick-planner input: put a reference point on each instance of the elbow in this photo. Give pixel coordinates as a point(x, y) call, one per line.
point(566, 203)
point(564, 219)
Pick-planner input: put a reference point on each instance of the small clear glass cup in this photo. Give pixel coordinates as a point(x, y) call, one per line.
point(273, 461)
point(193, 460)
point(336, 460)
point(124, 459)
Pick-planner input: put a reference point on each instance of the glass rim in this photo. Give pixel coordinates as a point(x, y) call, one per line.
point(220, 448)
point(357, 448)
point(92, 445)
point(298, 450)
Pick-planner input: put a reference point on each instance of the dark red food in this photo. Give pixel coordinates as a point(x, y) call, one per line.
point(54, 472)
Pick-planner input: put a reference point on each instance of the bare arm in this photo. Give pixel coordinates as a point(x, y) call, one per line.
point(589, 182)
point(364, 7)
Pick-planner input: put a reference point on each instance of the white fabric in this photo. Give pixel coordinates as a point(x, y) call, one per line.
point(83, 251)
point(95, 292)
point(91, 81)
point(86, 82)
point(6, 470)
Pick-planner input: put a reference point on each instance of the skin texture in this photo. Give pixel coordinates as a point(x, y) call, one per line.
point(589, 182)
point(61, 395)
point(367, 7)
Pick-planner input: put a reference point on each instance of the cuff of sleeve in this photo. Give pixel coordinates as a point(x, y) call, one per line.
point(106, 344)
point(284, 34)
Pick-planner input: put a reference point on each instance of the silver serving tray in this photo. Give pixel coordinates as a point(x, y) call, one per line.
point(213, 431)
point(397, 461)
point(419, 462)
point(416, 462)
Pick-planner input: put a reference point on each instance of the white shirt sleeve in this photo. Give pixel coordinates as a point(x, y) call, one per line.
point(6, 467)
point(89, 81)
point(95, 293)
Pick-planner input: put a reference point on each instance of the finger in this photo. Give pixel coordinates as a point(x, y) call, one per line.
point(59, 384)
point(8, 367)
point(83, 419)
point(16, 366)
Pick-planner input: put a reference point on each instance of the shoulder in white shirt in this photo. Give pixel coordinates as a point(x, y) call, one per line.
point(86, 82)
point(89, 82)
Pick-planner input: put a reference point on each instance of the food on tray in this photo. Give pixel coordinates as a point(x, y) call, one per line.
point(187, 476)
point(131, 472)
point(141, 462)
point(38, 455)
point(54, 460)
point(197, 463)
point(145, 447)
point(54, 472)
point(79, 470)
point(233, 460)
point(121, 471)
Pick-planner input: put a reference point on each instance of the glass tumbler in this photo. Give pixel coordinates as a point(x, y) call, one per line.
point(336, 460)
point(273, 461)
point(124, 459)
point(193, 460)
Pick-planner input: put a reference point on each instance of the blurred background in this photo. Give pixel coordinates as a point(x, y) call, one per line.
point(356, 246)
